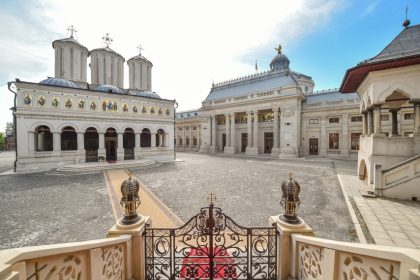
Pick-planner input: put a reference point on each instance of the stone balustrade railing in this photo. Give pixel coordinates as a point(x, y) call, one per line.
point(108, 258)
point(316, 258)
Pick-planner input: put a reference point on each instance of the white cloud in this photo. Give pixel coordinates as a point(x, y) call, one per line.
point(189, 42)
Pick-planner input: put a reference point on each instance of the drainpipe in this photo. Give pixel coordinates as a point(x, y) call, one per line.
point(175, 106)
point(14, 123)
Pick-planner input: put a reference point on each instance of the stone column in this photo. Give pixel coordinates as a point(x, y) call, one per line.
point(120, 149)
point(249, 130)
point(56, 142)
point(370, 122)
point(377, 120)
point(255, 132)
point(365, 123)
point(232, 131)
point(160, 140)
point(213, 148)
point(101, 150)
point(227, 125)
point(81, 147)
point(275, 151)
point(345, 136)
point(137, 149)
point(191, 138)
point(416, 130)
point(394, 116)
point(323, 138)
point(31, 142)
point(153, 140)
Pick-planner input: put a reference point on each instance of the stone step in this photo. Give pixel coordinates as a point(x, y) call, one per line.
point(94, 167)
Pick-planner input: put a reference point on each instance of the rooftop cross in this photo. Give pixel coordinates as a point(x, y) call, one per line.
point(278, 49)
point(211, 198)
point(72, 30)
point(140, 48)
point(107, 40)
point(406, 22)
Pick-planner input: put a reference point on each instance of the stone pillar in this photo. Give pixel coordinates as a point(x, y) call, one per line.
point(365, 123)
point(377, 128)
point(137, 149)
point(344, 138)
point(153, 140)
point(191, 138)
point(136, 251)
point(416, 130)
point(31, 142)
point(255, 143)
point(370, 122)
point(213, 147)
point(394, 116)
point(275, 151)
point(285, 245)
point(56, 142)
point(161, 139)
point(205, 145)
point(249, 130)
point(120, 149)
point(101, 150)
point(81, 147)
point(227, 125)
point(232, 131)
point(323, 137)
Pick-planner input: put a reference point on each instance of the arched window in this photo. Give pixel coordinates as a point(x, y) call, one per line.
point(145, 138)
point(43, 139)
point(68, 139)
point(160, 138)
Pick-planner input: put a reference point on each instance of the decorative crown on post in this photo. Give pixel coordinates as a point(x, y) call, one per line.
point(130, 200)
point(290, 200)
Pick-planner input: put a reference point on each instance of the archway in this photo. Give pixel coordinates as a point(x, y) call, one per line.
point(111, 144)
point(91, 144)
point(128, 143)
point(363, 174)
point(68, 139)
point(43, 139)
point(145, 138)
point(160, 138)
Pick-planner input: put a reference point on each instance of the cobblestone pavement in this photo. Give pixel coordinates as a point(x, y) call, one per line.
point(249, 191)
point(45, 209)
point(6, 161)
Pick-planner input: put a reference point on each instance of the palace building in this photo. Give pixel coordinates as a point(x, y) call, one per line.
point(63, 119)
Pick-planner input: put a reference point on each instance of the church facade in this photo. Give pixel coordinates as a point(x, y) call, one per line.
point(65, 120)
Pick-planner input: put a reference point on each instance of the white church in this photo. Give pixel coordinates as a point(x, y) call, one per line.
point(64, 119)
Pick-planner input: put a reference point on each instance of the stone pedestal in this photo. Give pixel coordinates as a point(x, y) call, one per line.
point(205, 149)
point(275, 152)
point(251, 151)
point(213, 149)
point(285, 246)
point(137, 244)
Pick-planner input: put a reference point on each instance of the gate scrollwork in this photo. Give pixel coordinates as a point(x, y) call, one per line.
point(211, 246)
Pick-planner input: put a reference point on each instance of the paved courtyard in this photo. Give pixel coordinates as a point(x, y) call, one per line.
point(249, 191)
point(45, 209)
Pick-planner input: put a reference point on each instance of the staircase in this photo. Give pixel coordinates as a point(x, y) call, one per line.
point(94, 167)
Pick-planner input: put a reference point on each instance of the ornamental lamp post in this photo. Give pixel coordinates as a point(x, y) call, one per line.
point(290, 200)
point(130, 201)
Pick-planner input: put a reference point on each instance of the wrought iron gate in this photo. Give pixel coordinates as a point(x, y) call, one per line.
point(211, 246)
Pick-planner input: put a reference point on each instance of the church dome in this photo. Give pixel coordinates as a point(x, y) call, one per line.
point(59, 83)
point(280, 61)
point(144, 93)
point(109, 88)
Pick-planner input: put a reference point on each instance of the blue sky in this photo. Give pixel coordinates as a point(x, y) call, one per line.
point(191, 43)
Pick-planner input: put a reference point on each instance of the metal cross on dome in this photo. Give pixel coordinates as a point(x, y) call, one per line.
point(140, 48)
point(107, 40)
point(72, 30)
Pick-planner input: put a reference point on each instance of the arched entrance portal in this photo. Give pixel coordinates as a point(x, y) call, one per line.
point(363, 175)
point(129, 143)
point(160, 138)
point(91, 144)
point(145, 138)
point(111, 144)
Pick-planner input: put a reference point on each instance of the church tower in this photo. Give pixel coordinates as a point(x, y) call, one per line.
point(70, 58)
point(140, 71)
point(106, 65)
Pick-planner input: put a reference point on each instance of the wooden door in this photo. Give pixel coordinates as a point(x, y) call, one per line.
point(313, 146)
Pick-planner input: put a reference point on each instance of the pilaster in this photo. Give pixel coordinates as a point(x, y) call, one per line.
point(56, 142)
point(137, 149)
point(101, 150)
point(323, 137)
point(275, 151)
point(345, 136)
point(120, 149)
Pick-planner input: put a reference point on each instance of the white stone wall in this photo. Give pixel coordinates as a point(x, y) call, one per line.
point(107, 68)
point(70, 61)
point(140, 74)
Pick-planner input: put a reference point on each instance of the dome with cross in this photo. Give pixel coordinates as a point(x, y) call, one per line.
point(280, 61)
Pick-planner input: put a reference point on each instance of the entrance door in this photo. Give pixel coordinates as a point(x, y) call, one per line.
point(244, 142)
point(91, 144)
point(111, 139)
point(268, 142)
point(313, 146)
point(223, 141)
